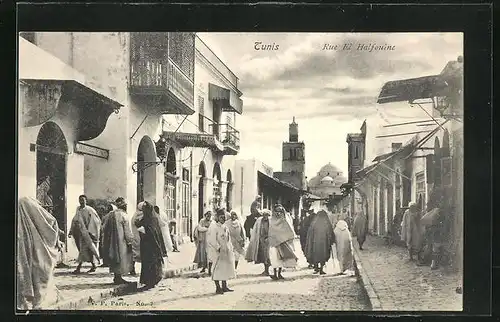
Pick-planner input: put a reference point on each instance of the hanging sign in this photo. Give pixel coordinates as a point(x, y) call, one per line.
point(83, 148)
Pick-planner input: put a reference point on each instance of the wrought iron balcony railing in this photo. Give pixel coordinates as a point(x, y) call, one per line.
point(229, 136)
point(163, 68)
point(224, 133)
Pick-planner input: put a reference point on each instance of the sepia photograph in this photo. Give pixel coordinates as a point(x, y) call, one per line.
point(255, 171)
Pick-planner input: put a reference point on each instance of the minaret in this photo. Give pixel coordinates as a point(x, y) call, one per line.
point(293, 131)
point(293, 157)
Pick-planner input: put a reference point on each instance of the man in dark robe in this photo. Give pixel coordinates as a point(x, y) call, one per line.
point(304, 228)
point(252, 218)
point(152, 247)
point(360, 228)
point(320, 238)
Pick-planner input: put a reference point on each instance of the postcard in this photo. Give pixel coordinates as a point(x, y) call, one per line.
point(233, 171)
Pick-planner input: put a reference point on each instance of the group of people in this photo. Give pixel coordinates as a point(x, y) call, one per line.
point(114, 238)
point(325, 235)
point(424, 233)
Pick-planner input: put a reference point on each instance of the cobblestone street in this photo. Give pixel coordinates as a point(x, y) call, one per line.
point(71, 287)
point(302, 290)
point(401, 285)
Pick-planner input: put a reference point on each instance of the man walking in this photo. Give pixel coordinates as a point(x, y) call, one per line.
point(85, 228)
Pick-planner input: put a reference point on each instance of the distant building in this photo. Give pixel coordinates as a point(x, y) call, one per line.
point(327, 182)
point(252, 178)
point(293, 159)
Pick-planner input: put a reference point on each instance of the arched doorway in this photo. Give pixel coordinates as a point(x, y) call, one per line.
point(146, 173)
point(229, 192)
point(51, 152)
point(217, 178)
point(170, 184)
point(201, 191)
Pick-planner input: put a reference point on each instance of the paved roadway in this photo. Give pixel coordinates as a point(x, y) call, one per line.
point(301, 290)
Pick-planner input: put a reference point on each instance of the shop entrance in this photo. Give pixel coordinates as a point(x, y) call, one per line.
point(51, 154)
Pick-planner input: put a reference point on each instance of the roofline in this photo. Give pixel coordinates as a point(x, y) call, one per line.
point(220, 60)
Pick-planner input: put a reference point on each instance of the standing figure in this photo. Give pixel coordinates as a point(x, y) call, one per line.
point(164, 225)
point(281, 239)
point(254, 214)
point(117, 242)
point(411, 231)
point(224, 269)
point(200, 239)
point(258, 249)
point(43, 194)
point(37, 238)
point(343, 244)
point(212, 243)
point(136, 243)
point(320, 238)
point(237, 234)
point(173, 228)
point(304, 228)
point(102, 250)
point(152, 247)
point(86, 228)
point(359, 228)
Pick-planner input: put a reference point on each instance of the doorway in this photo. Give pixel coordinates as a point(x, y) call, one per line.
point(170, 186)
point(146, 173)
point(217, 177)
point(229, 192)
point(201, 190)
point(51, 159)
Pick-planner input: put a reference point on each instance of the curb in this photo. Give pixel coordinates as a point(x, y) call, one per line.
point(178, 271)
point(75, 304)
point(366, 283)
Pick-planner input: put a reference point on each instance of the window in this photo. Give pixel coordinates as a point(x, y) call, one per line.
point(293, 154)
point(170, 182)
point(420, 189)
point(185, 201)
point(217, 193)
point(181, 51)
point(356, 152)
point(201, 111)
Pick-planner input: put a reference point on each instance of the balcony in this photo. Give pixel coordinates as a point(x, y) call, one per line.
point(162, 71)
point(219, 137)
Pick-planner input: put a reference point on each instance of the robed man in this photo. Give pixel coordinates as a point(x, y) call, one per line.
point(86, 229)
point(258, 249)
point(320, 238)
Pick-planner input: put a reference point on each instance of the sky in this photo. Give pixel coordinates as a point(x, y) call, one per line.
point(330, 92)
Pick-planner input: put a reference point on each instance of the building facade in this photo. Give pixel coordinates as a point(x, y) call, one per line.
point(62, 109)
point(254, 178)
point(205, 145)
point(430, 162)
point(135, 155)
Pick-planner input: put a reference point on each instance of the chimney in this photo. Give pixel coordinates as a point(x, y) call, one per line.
point(396, 146)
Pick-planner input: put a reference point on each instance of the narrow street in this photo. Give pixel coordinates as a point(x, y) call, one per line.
point(301, 290)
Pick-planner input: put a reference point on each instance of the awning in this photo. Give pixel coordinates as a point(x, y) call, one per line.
point(277, 183)
point(198, 140)
point(227, 99)
point(413, 89)
point(42, 71)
